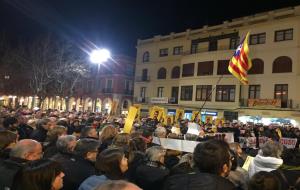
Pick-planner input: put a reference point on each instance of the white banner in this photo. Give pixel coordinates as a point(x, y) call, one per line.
point(159, 100)
point(250, 142)
point(176, 144)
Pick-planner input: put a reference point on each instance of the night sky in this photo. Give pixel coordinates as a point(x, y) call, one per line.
point(117, 24)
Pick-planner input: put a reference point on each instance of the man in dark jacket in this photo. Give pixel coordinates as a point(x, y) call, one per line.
point(79, 166)
point(153, 173)
point(213, 163)
point(24, 151)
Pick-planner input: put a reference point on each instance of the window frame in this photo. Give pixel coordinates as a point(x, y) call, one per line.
point(186, 97)
point(146, 57)
point(164, 52)
point(255, 90)
point(259, 38)
point(177, 50)
point(227, 89)
point(160, 91)
point(284, 33)
point(208, 92)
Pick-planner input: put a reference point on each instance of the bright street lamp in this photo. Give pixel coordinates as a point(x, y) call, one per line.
point(99, 56)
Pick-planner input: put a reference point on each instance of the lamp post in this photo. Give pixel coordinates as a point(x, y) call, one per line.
point(99, 56)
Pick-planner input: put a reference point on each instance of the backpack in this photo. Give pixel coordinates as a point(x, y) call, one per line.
point(290, 187)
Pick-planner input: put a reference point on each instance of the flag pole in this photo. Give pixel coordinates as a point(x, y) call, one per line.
point(210, 94)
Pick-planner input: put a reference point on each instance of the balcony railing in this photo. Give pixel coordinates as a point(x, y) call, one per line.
point(283, 104)
point(141, 99)
point(142, 78)
point(173, 100)
point(107, 90)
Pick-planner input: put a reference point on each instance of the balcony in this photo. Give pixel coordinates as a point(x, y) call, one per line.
point(173, 100)
point(142, 78)
point(141, 99)
point(107, 90)
point(128, 92)
point(267, 103)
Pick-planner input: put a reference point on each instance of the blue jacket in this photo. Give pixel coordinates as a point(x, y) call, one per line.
point(92, 182)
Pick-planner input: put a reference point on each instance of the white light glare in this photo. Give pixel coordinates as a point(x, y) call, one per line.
point(99, 56)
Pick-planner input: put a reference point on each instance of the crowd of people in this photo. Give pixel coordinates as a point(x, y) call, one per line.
point(52, 150)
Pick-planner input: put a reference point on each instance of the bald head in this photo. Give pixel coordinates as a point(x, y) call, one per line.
point(118, 185)
point(27, 149)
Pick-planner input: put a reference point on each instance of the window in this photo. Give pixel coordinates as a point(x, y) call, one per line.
point(163, 52)
point(194, 48)
point(128, 85)
point(258, 38)
point(129, 70)
point(99, 84)
point(186, 93)
point(177, 50)
point(281, 92)
point(225, 93)
point(143, 92)
point(213, 45)
point(282, 64)
point(146, 57)
point(203, 93)
point(282, 35)
point(145, 75)
point(205, 68)
point(160, 91)
point(234, 42)
point(223, 67)
point(161, 74)
point(257, 67)
point(254, 92)
point(188, 70)
point(109, 84)
point(175, 72)
point(89, 86)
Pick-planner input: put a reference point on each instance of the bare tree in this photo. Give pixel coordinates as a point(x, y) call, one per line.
point(68, 69)
point(37, 58)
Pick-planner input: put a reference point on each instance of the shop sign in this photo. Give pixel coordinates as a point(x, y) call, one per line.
point(274, 103)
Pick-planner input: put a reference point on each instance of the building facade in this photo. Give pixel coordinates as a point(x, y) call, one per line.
point(189, 69)
point(108, 88)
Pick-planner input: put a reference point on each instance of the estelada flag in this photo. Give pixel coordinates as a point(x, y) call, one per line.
point(240, 63)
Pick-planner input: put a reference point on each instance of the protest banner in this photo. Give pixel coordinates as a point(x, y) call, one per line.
point(179, 115)
point(156, 112)
point(250, 142)
point(176, 144)
point(193, 128)
point(138, 107)
point(288, 142)
point(195, 116)
point(228, 137)
point(130, 119)
point(247, 163)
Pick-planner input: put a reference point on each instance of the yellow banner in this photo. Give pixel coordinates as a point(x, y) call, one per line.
point(197, 115)
point(138, 107)
point(130, 119)
point(168, 120)
point(179, 114)
point(157, 112)
point(208, 119)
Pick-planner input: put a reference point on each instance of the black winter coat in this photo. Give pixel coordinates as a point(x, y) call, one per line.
point(150, 178)
point(75, 168)
point(197, 181)
point(8, 170)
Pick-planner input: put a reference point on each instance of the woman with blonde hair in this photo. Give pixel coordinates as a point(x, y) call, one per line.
point(106, 137)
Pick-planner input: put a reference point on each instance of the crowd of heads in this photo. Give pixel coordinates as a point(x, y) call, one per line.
point(55, 150)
